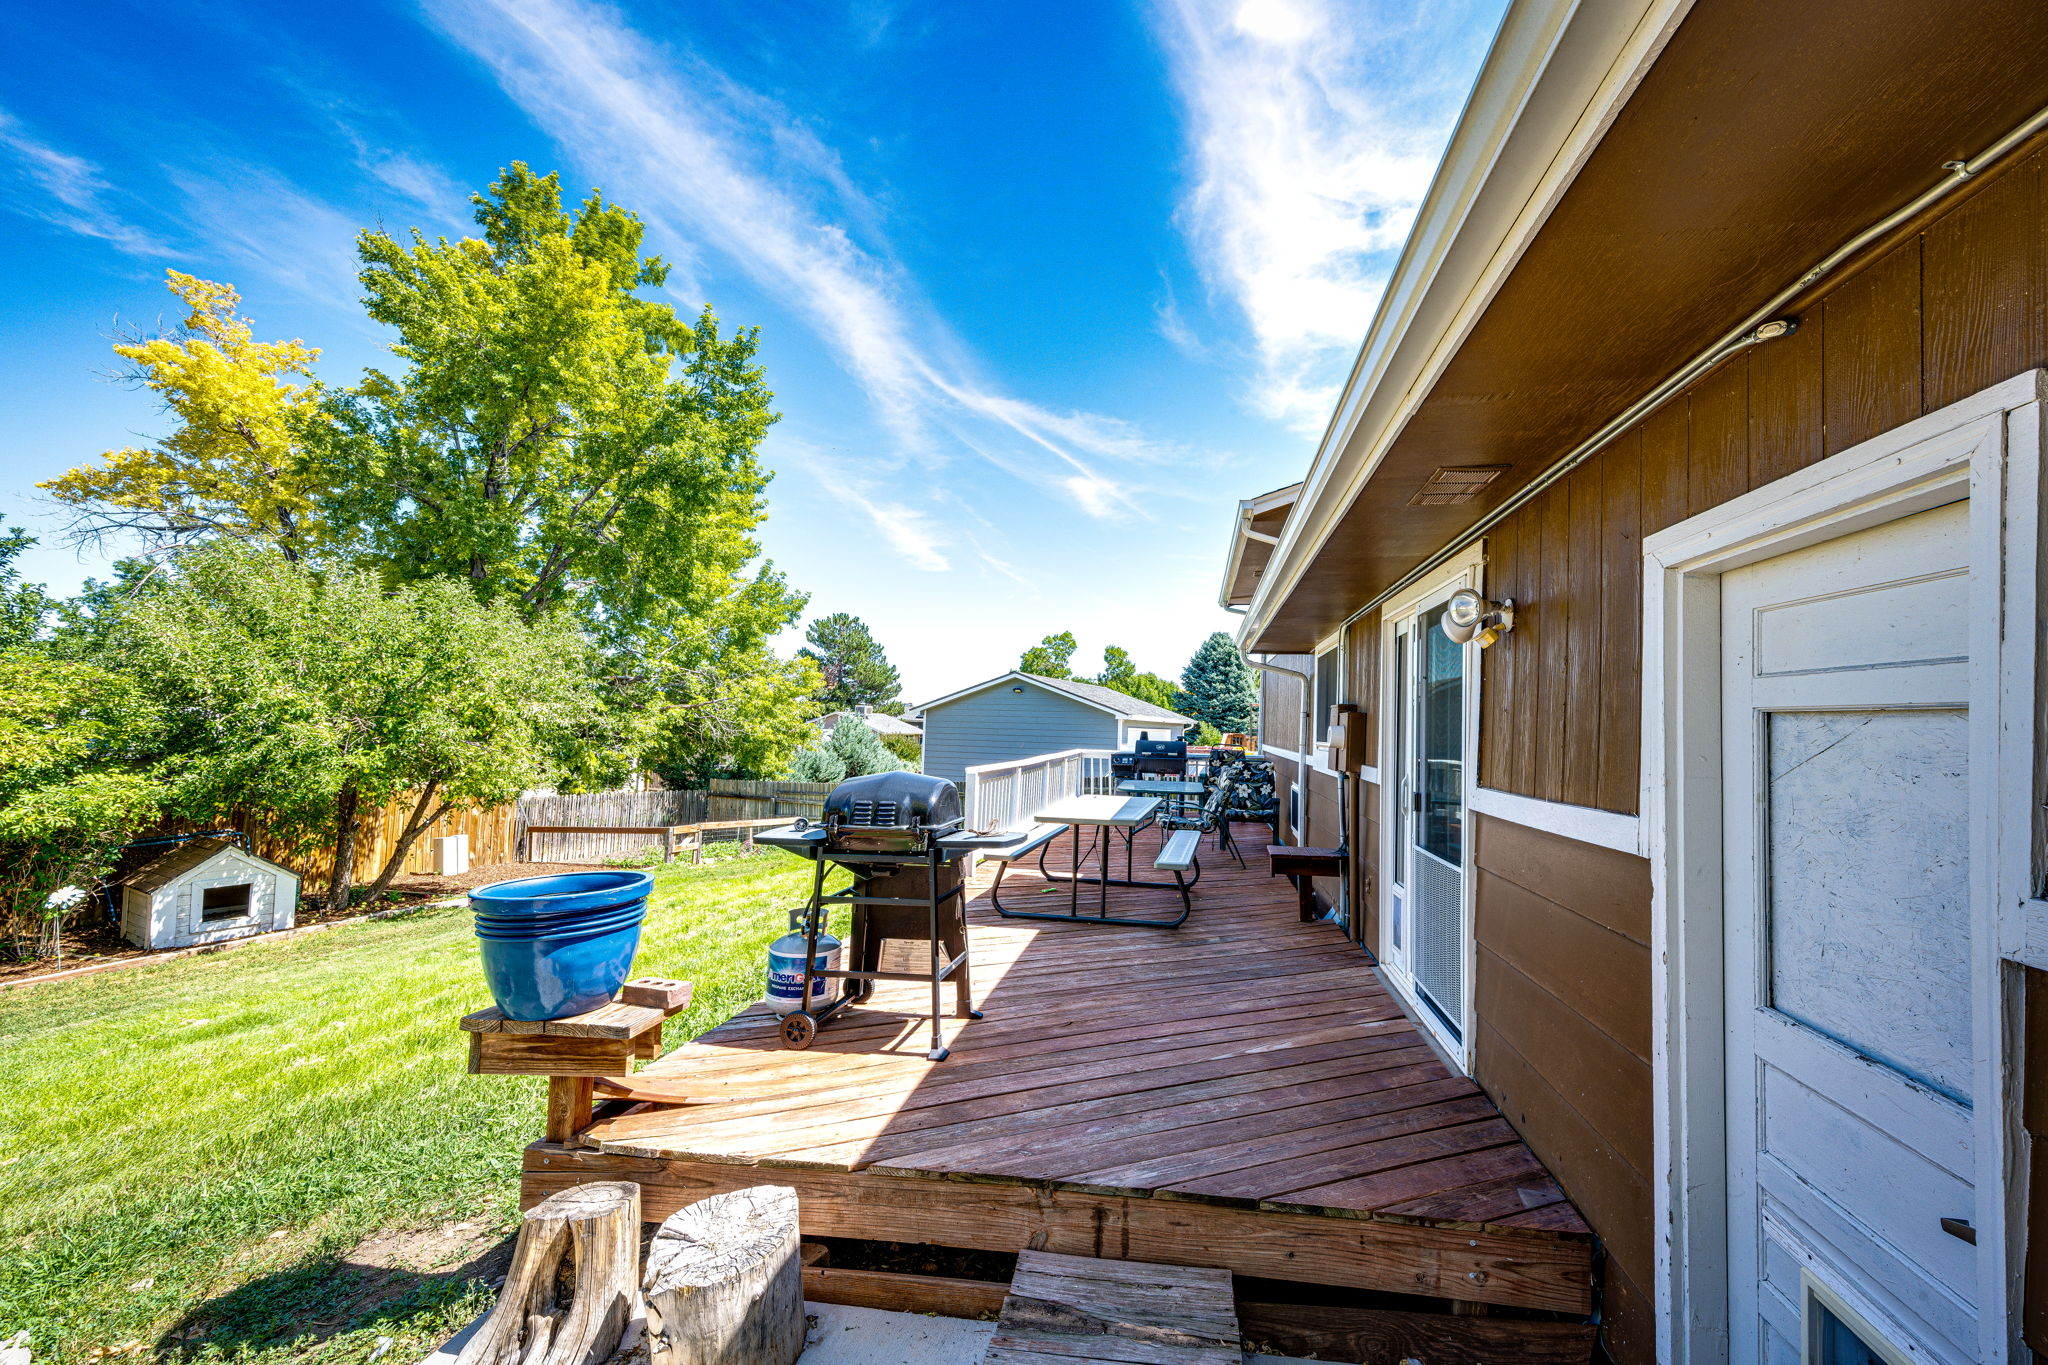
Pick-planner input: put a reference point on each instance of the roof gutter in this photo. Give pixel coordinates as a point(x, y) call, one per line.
point(1554, 79)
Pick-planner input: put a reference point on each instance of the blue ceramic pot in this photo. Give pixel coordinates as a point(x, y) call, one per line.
point(564, 893)
point(591, 925)
point(484, 916)
point(559, 975)
point(561, 945)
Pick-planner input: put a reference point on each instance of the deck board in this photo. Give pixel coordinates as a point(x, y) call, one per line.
point(1244, 1061)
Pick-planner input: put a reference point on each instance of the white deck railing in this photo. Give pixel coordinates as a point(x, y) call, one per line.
point(1004, 796)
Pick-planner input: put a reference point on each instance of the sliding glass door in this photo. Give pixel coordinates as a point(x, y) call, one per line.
point(1426, 784)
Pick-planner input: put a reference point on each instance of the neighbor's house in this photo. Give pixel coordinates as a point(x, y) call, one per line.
point(1717, 347)
point(205, 891)
point(1021, 714)
point(881, 722)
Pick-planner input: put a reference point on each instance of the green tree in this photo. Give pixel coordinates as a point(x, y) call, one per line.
point(553, 438)
point(1051, 657)
point(851, 750)
point(1120, 673)
point(1219, 687)
point(74, 781)
point(312, 700)
point(237, 463)
point(853, 670)
point(23, 606)
point(909, 748)
point(743, 714)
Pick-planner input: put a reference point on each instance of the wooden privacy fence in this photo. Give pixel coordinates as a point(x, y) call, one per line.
point(589, 829)
point(734, 799)
point(573, 827)
point(492, 839)
point(672, 839)
point(500, 834)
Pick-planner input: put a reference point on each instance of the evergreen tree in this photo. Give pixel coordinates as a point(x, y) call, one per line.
point(1051, 657)
point(851, 750)
point(851, 665)
point(1219, 687)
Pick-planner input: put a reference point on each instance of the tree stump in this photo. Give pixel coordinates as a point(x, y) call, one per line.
point(571, 1288)
point(724, 1284)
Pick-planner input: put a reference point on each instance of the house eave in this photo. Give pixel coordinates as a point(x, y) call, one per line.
point(1554, 79)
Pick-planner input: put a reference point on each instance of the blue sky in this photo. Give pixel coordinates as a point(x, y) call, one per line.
point(1044, 287)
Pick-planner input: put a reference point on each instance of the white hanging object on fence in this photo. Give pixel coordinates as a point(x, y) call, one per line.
point(451, 855)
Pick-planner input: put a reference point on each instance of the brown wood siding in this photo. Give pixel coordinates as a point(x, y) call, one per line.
point(1562, 1036)
point(1280, 701)
point(1319, 825)
point(1362, 679)
point(1362, 686)
point(1949, 310)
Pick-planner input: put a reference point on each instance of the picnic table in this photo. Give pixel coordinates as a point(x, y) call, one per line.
point(1107, 815)
point(1175, 792)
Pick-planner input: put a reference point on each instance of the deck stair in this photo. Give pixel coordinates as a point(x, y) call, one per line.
point(1078, 1310)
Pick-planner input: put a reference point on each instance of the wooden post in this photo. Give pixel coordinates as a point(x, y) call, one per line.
point(569, 1293)
point(724, 1283)
point(668, 844)
point(569, 1099)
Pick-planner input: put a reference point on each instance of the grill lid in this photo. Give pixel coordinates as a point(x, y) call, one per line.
point(893, 801)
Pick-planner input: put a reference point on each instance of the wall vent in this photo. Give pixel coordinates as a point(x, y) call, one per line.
point(1453, 484)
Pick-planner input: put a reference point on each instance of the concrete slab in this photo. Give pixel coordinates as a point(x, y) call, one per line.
point(870, 1336)
point(840, 1335)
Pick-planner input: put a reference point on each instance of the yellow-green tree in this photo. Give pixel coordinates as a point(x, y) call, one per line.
point(236, 464)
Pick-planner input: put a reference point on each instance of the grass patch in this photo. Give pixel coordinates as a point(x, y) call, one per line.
point(193, 1155)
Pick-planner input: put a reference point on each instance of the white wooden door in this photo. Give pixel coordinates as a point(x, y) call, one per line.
point(1848, 921)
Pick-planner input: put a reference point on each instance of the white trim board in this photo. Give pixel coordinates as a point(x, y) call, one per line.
point(1987, 448)
point(1606, 828)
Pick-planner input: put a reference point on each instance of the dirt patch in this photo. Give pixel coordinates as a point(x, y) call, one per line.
point(483, 1251)
point(430, 886)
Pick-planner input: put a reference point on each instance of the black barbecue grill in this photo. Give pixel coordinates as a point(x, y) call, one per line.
point(902, 837)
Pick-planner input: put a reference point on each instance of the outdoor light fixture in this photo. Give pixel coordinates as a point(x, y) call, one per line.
point(1468, 616)
point(1018, 688)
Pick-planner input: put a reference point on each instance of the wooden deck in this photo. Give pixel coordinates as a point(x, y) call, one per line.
point(1241, 1092)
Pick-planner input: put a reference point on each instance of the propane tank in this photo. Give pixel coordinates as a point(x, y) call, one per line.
point(786, 973)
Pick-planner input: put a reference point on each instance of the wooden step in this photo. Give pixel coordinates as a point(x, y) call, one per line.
point(1075, 1310)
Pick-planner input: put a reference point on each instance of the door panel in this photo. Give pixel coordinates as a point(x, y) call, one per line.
point(1847, 920)
point(1869, 888)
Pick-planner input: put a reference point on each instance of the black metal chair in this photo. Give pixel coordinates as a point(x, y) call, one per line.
point(1210, 819)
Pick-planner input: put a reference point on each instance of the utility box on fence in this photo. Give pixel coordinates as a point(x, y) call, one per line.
point(451, 855)
point(206, 891)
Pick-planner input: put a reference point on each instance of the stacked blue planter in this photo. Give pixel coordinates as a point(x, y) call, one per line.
point(557, 946)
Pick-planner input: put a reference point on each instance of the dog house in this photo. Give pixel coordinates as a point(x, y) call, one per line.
point(206, 891)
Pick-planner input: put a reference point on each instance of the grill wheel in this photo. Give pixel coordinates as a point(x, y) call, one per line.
point(797, 1030)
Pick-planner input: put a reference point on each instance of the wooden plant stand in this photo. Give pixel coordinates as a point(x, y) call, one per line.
point(573, 1053)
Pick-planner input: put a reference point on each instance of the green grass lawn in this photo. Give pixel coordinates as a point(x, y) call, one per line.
point(206, 1157)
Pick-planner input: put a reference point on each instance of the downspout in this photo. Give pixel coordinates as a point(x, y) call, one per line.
point(1307, 733)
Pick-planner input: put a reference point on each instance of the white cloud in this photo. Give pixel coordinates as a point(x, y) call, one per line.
point(73, 194)
point(1313, 129)
point(909, 532)
point(725, 170)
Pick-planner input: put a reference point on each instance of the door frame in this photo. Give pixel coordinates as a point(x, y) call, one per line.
point(1466, 570)
point(1989, 448)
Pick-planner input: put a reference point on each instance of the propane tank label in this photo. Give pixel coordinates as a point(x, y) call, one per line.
point(786, 972)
